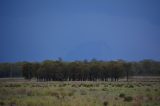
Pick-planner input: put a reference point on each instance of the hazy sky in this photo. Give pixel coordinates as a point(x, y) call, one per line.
point(35, 30)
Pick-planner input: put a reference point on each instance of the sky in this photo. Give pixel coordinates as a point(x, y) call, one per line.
point(37, 30)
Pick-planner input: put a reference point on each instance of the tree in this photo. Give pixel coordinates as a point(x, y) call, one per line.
point(127, 68)
point(93, 70)
point(27, 70)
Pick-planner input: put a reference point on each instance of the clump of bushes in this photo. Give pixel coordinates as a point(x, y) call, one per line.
point(156, 90)
point(105, 103)
point(70, 93)
point(88, 85)
point(104, 89)
point(130, 86)
point(2, 103)
point(128, 98)
point(122, 95)
point(13, 85)
point(119, 85)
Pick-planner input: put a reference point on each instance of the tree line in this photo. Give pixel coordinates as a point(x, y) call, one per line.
point(94, 70)
point(75, 71)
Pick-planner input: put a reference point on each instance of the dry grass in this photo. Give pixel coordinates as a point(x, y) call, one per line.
point(31, 93)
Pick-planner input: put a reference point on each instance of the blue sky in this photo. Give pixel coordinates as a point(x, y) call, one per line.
point(36, 30)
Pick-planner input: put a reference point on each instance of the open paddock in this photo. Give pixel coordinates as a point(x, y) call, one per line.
point(19, 92)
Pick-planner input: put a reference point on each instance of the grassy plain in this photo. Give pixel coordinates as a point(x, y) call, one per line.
point(86, 93)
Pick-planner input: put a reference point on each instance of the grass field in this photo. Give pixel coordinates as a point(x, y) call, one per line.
point(32, 93)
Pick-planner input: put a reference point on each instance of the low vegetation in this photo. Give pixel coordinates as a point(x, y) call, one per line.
point(79, 93)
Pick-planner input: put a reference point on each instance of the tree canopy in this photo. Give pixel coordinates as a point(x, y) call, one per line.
point(93, 70)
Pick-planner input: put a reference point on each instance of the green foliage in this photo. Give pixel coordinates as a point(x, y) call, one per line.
point(128, 98)
point(27, 70)
point(122, 95)
point(10, 70)
point(79, 70)
point(105, 103)
point(2, 103)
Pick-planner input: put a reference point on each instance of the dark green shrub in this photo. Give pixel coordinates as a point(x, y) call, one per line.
point(130, 86)
point(2, 103)
point(74, 85)
point(128, 98)
point(122, 95)
point(13, 85)
point(70, 93)
point(156, 90)
point(104, 89)
point(105, 103)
